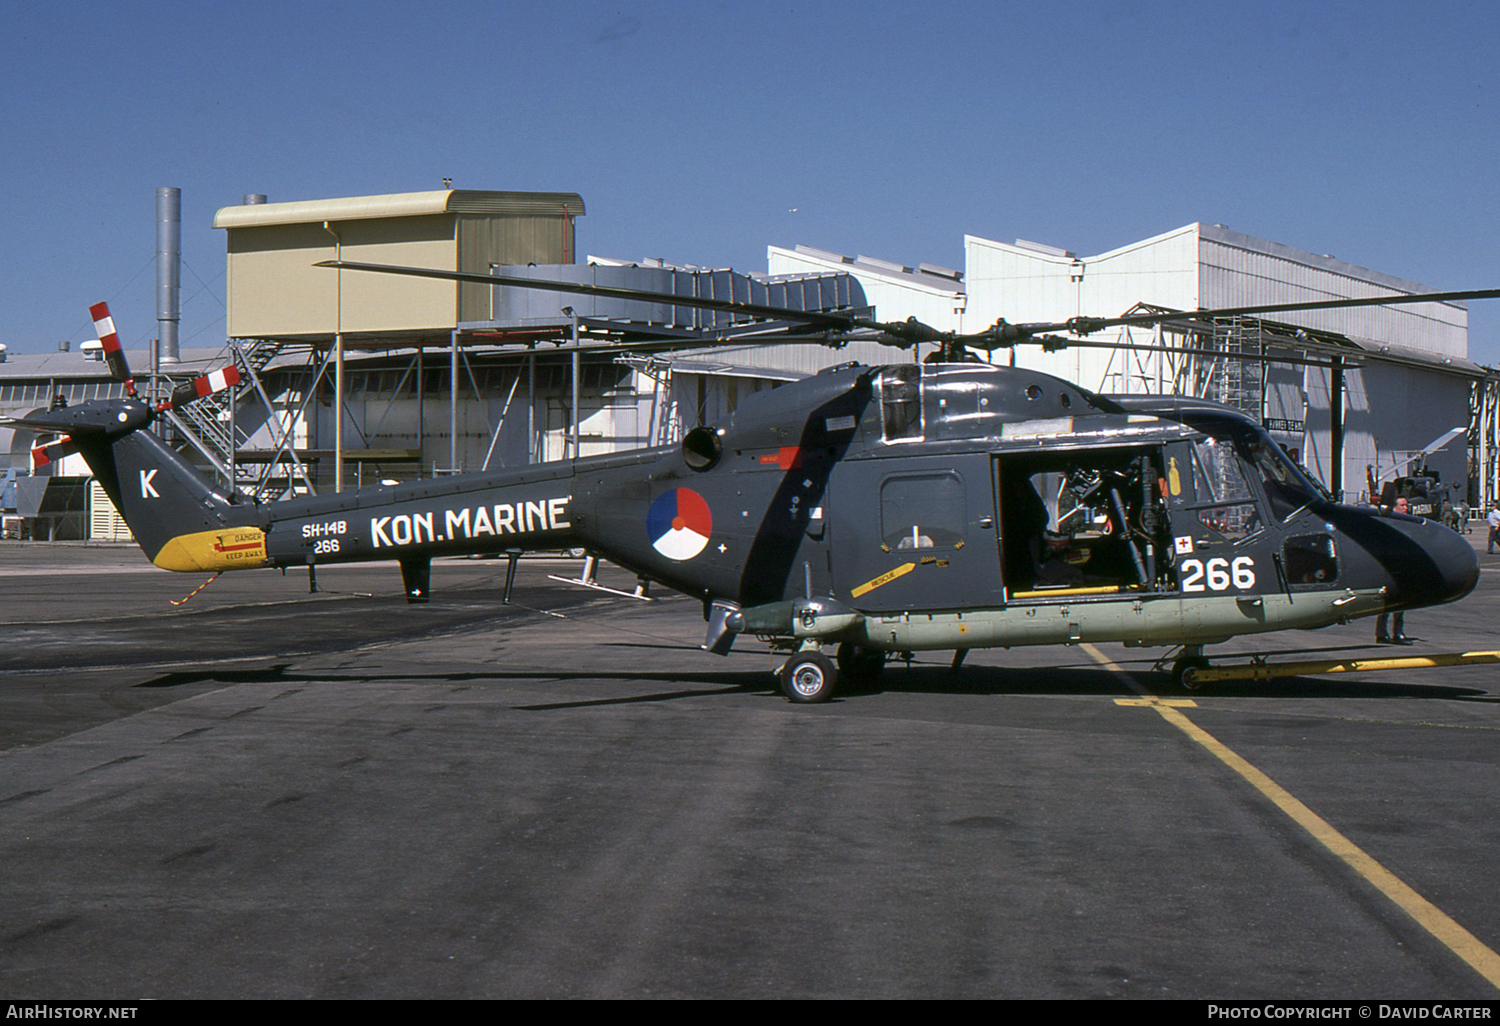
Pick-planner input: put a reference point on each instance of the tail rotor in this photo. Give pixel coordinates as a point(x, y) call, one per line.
point(106, 418)
point(201, 388)
point(114, 353)
point(52, 452)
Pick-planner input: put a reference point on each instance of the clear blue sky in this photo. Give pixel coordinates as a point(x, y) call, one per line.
point(703, 131)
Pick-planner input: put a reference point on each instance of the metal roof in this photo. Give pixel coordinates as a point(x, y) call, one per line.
point(1416, 358)
point(58, 366)
point(401, 204)
point(73, 366)
point(924, 276)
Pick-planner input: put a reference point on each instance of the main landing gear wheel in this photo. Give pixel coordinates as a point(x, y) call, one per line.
point(808, 677)
point(1180, 668)
point(858, 664)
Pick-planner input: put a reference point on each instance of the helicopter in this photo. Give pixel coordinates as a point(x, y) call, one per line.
point(860, 512)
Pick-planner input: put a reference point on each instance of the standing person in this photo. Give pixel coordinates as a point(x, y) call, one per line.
point(1493, 519)
point(1398, 636)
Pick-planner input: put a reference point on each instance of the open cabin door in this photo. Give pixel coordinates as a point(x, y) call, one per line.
point(1084, 522)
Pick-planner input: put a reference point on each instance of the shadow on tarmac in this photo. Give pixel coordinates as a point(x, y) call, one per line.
point(896, 679)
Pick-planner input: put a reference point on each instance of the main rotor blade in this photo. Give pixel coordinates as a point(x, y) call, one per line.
point(832, 321)
point(905, 334)
point(1354, 357)
point(1087, 325)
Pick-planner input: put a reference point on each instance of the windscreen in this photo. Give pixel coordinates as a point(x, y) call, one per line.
point(1287, 488)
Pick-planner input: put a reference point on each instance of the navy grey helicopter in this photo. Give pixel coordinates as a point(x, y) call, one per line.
point(862, 511)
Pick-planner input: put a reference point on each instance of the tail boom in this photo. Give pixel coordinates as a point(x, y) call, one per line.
point(522, 509)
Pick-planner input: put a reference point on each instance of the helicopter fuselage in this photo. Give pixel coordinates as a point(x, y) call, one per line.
point(897, 508)
point(889, 508)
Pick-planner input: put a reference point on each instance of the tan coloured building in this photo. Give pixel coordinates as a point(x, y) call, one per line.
point(274, 291)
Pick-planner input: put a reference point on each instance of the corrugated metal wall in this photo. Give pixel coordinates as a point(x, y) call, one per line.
point(516, 239)
point(1023, 285)
point(825, 292)
point(1238, 270)
point(1388, 410)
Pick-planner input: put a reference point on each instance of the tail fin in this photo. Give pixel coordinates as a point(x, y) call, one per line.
point(178, 517)
point(163, 498)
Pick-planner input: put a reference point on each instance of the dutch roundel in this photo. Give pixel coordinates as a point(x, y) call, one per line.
point(679, 524)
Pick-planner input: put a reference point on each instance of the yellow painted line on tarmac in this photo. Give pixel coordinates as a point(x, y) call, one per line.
point(1431, 918)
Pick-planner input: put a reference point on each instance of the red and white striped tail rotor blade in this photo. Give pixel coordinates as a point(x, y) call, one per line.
point(198, 388)
point(52, 452)
point(109, 338)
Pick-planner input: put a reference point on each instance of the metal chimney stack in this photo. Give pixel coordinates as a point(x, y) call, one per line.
point(168, 270)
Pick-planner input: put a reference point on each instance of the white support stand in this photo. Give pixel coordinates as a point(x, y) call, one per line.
point(588, 579)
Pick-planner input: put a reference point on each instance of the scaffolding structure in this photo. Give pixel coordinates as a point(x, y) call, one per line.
point(1229, 361)
point(1484, 441)
point(1239, 366)
point(1224, 360)
point(265, 438)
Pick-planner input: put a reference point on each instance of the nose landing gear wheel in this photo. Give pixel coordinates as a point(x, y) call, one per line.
point(808, 677)
point(1180, 668)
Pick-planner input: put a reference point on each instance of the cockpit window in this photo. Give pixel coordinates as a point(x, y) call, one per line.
point(1287, 489)
point(901, 402)
point(1217, 476)
point(1232, 523)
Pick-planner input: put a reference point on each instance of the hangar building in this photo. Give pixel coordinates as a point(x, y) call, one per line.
point(1407, 386)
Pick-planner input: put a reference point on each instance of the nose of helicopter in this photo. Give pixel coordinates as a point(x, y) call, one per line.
point(1435, 565)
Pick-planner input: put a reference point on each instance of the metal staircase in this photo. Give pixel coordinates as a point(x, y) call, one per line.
point(1239, 375)
point(209, 424)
